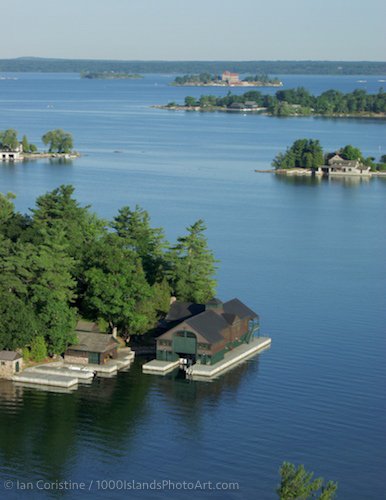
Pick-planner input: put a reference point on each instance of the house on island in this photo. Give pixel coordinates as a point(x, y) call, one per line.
point(338, 166)
point(204, 333)
point(11, 362)
point(230, 78)
point(92, 347)
point(7, 154)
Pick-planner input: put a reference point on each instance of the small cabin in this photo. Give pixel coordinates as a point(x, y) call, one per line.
point(93, 347)
point(11, 362)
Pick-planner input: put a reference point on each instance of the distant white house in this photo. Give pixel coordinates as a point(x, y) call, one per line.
point(338, 166)
point(7, 154)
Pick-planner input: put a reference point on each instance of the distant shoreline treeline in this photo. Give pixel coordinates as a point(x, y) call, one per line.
point(36, 64)
point(293, 102)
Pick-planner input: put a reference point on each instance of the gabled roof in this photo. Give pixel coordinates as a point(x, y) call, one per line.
point(9, 355)
point(94, 342)
point(209, 325)
point(236, 307)
point(87, 326)
point(179, 311)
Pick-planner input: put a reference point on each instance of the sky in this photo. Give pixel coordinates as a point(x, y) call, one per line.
point(195, 29)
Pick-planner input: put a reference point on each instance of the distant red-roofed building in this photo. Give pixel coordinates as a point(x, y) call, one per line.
point(230, 78)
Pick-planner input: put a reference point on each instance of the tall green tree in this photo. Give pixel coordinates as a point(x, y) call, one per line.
point(349, 152)
point(58, 141)
point(52, 290)
point(192, 266)
point(18, 321)
point(9, 140)
point(298, 484)
point(133, 227)
point(116, 287)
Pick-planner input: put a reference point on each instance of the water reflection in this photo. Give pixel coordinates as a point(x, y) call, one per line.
point(41, 432)
point(300, 180)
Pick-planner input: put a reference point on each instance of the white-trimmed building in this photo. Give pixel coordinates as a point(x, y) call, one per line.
point(7, 154)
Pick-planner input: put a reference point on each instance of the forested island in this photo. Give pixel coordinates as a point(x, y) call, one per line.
point(62, 262)
point(109, 75)
point(38, 64)
point(225, 80)
point(308, 154)
point(292, 102)
point(59, 142)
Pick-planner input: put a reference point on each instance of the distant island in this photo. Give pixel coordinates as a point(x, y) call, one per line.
point(48, 65)
point(109, 75)
point(227, 79)
point(59, 144)
point(292, 102)
point(306, 157)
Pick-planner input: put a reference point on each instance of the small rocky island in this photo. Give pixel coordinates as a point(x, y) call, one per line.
point(109, 75)
point(60, 145)
point(306, 158)
point(227, 79)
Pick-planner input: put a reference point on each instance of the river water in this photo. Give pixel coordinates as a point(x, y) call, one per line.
point(308, 256)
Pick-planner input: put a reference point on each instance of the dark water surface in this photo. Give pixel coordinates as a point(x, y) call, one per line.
point(308, 256)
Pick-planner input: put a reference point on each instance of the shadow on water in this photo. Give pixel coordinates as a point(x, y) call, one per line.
point(315, 181)
point(41, 432)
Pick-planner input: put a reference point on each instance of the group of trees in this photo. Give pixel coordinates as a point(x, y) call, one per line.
point(304, 153)
point(298, 484)
point(9, 141)
point(308, 153)
point(57, 140)
point(300, 102)
point(203, 78)
point(62, 262)
point(207, 78)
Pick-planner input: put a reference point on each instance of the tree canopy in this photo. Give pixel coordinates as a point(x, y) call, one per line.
point(304, 153)
point(298, 484)
point(62, 262)
point(299, 101)
point(192, 266)
point(58, 141)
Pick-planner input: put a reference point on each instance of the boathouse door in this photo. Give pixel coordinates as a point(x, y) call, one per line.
point(185, 345)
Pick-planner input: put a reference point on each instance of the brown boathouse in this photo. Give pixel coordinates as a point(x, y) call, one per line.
point(203, 333)
point(92, 346)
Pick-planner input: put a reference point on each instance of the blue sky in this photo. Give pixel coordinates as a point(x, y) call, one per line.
point(195, 29)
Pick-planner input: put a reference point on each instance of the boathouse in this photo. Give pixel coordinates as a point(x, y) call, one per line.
point(11, 362)
point(92, 346)
point(205, 333)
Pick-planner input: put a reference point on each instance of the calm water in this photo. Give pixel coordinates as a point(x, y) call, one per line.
point(308, 256)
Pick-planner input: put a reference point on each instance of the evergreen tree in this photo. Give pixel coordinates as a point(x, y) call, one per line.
point(116, 287)
point(298, 484)
point(133, 227)
point(192, 266)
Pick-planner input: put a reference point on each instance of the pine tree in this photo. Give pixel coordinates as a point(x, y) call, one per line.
point(192, 266)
